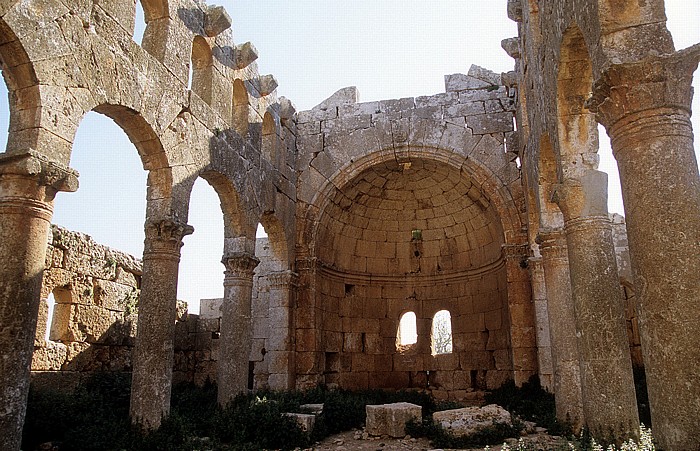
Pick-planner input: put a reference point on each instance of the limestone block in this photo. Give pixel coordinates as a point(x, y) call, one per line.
point(314, 409)
point(216, 21)
point(461, 82)
point(49, 357)
point(467, 421)
point(344, 96)
point(305, 421)
point(391, 419)
point(486, 75)
point(210, 308)
point(114, 296)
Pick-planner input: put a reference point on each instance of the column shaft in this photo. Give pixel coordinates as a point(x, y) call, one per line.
point(153, 353)
point(562, 328)
point(28, 184)
point(236, 327)
point(609, 400)
point(652, 140)
point(280, 353)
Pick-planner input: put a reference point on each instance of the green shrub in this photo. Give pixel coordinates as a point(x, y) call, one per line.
point(441, 438)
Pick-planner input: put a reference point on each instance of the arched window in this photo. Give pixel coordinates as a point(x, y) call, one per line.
point(442, 333)
point(50, 302)
point(407, 333)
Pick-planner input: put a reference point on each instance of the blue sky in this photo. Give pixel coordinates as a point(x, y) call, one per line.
point(388, 49)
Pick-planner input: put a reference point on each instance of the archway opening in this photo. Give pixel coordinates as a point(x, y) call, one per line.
point(110, 204)
point(201, 274)
point(139, 23)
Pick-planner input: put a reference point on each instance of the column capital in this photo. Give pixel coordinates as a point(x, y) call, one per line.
point(35, 165)
point(164, 236)
point(656, 85)
point(282, 279)
point(239, 264)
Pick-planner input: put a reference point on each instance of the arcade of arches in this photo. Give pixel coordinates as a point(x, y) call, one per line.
point(374, 212)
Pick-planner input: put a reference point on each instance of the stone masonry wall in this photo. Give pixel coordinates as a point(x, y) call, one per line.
point(96, 291)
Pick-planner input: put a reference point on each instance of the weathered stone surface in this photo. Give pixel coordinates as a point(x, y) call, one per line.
point(467, 421)
point(391, 419)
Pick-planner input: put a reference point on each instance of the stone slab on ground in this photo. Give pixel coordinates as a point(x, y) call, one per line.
point(468, 420)
point(391, 419)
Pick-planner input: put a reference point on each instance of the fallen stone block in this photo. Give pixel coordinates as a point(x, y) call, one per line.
point(391, 419)
point(467, 421)
point(304, 420)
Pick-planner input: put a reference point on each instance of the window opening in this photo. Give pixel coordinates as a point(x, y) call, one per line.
point(139, 24)
point(442, 333)
point(51, 302)
point(407, 334)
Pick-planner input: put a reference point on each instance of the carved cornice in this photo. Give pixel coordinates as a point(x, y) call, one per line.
point(282, 279)
point(417, 280)
point(164, 236)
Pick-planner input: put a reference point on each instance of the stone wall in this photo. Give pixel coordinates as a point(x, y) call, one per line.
point(96, 291)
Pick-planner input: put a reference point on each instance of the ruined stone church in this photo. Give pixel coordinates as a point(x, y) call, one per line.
point(482, 203)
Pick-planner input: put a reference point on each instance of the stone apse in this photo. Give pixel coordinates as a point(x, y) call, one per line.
point(483, 201)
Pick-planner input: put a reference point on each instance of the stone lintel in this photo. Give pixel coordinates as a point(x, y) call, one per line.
point(282, 279)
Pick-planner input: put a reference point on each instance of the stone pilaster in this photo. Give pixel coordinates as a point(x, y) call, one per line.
point(280, 355)
point(645, 107)
point(609, 400)
point(236, 327)
point(308, 357)
point(153, 353)
point(544, 344)
point(28, 184)
point(521, 313)
point(562, 327)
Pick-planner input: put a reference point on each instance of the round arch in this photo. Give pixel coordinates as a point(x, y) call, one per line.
point(498, 196)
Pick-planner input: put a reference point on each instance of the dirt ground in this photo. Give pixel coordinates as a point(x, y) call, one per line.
point(357, 440)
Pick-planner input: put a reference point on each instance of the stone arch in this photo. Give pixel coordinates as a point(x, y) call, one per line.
point(241, 107)
point(577, 127)
point(23, 89)
point(202, 69)
point(495, 194)
point(235, 223)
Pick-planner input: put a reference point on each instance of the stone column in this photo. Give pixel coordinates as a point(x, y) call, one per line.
point(521, 313)
point(236, 333)
point(609, 400)
point(280, 353)
point(309, 359)
point(28, 184)
point(153, 353)
point(544, 343)
point(645, 107)
point(562, 327)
